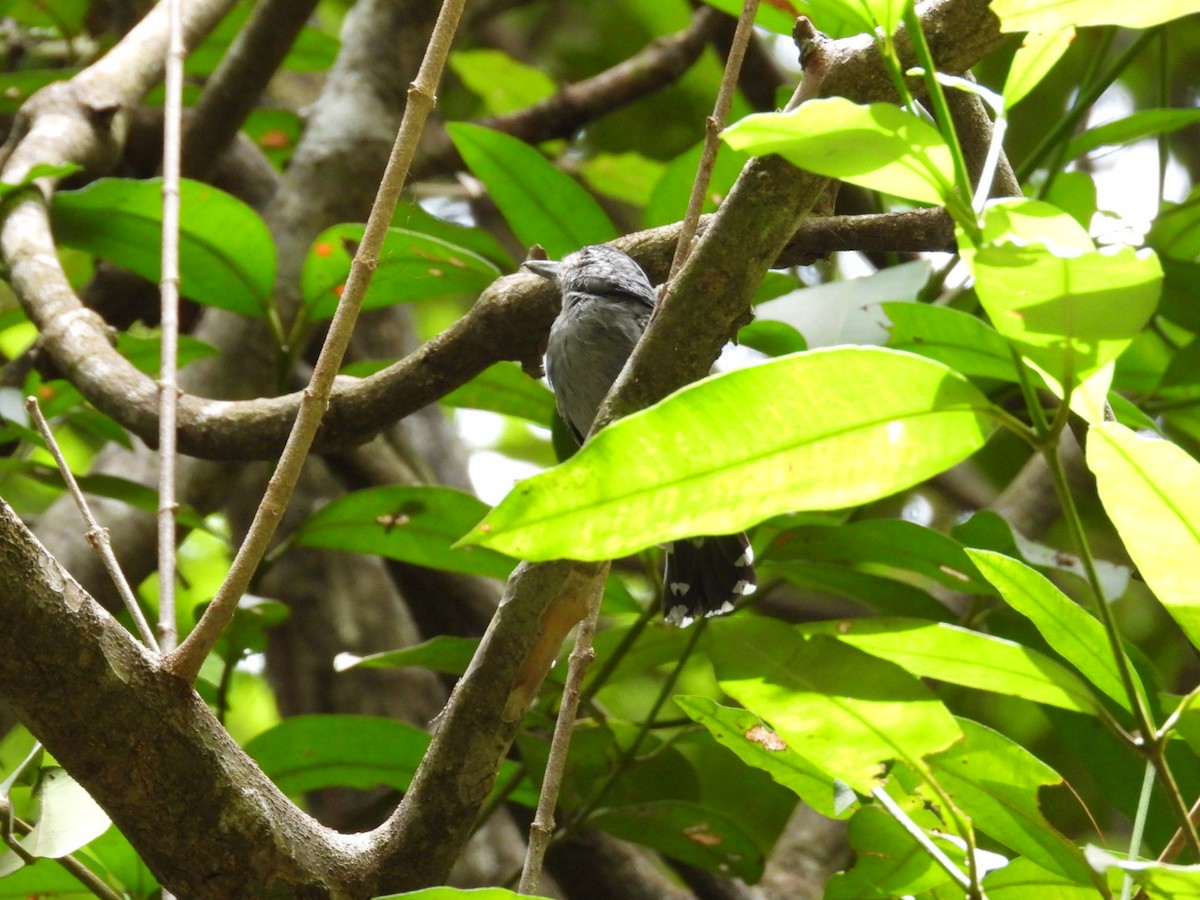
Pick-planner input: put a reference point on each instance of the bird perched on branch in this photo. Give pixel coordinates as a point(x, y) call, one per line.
point(607, 301)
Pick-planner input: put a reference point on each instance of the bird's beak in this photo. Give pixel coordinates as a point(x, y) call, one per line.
point(546, 268)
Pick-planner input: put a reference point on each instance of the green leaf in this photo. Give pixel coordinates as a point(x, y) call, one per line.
point(68, 817)
point(504, 84)
point(1069, 629)
point(145, 351)
point(890, 863)
point(1048, 15)
point(413, 217)
point(886, 596)
point(776, 15)
point(878, 543)
point(541, 204)
point(629, 177)
point(825, 429)
point(308, 753)
point(1141, 124)
point(505, 388)
point(845, 712)
point(1150, 489)
point(41, 170)
point(1067, 307)
point(692, 833)
point(1024, 880)
point(963, 342)
point(960, 656)
point(757, 745)
point(772, 338)
point(996, 781)
point(443, 653)
point(450, 893)
point(1161, 880)
point(226, 256)
point(410, 524)
point(411, 266)
point(669, 198)
point(1033, 61)
point(42, 879)
point(879, 146)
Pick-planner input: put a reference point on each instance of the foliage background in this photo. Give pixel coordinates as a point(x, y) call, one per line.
point(364, 614)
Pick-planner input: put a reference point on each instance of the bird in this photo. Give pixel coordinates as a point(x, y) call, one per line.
point(607, 301)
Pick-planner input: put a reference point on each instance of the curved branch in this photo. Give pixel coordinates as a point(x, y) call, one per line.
point(651, 69)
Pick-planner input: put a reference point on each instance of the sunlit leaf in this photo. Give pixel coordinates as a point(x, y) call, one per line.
point(845, 712)
point(1074, 633)
point(820, 430)
point(503, 83)
point(890, 863)
point(68, 817)
point(1150, 489)
point(1033, 61)
point(1049, 15)
point(758, 745)
point(1163, 881)
point(541, 204)
point(960, 656)
point(226, 255)
point(963, 342)
point(879, 146)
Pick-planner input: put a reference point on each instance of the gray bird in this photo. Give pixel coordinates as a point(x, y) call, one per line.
point(607, 301)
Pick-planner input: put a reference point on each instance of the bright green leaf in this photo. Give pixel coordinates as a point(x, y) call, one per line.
point(413, 217)
point(960, 656)
point(1050, 15)
point(757, 745)
point(629, 177)
point(772, 338)
point(995, 781)
point(410, 524)
point(1033, 61)
point(885, 596)
point(669, 198)
point(505, 388)
point(825, 429)
point(411, 266)
point(879, 146)
point(963, 342)
point(845, 712)
point(541, 204)
point(226, 255)
point(1150, 489)
point(1069, 314)
point(503, 83)
point(1141, 124)
point(1071, 631)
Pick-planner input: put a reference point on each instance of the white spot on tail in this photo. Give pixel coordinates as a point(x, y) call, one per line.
point(679, 588)
point(679, 616)
point(745, 588)
point(747, 557)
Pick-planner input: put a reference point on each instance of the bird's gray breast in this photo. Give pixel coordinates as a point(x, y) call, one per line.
point(589, 343)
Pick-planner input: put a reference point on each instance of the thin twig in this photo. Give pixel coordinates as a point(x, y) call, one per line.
point(187, 659)
point(96, 535)
point(712, 133)
point(168, 382)
point(542, 828)
point(918, 834)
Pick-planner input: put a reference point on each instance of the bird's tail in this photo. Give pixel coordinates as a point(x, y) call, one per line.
point(706, 576)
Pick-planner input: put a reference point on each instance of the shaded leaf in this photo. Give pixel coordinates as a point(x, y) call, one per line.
point(541, 204)
point(410, 524)
point(226, 255)
point(505, 388)
point(443, 653)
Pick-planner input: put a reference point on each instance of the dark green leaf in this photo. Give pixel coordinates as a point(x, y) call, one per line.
point(411, 266)
point(772, 338)
point(226, 256)
point(505, 388)
point(410, 524)
point(541, 204)
point(444, 653)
